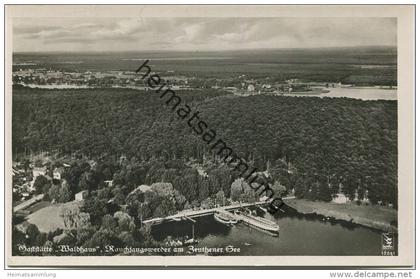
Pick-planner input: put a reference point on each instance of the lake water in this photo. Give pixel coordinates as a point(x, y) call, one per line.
point(363, 93)
point(299, 235)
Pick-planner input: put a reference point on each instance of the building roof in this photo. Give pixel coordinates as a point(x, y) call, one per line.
point(60, 170)
point(43, 168)
point(144, 188)
point(81, 192)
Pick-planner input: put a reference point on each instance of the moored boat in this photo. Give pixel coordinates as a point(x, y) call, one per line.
point(224, 219)
point(260, 223)
point(191, 241)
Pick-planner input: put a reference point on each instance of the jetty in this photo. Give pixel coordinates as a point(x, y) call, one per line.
point(228, 215)
point(189, 214)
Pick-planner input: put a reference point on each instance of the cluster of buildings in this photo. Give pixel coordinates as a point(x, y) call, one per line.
point(21, 182)
point(246, 87)
point(57, 79)
point(360, 197)
point(240, 85)
point(24, 191)
point(24, 177)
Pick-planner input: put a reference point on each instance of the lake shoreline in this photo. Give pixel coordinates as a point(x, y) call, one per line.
point(373, 217)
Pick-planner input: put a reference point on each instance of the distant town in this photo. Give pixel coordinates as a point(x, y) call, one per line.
point(238, 85)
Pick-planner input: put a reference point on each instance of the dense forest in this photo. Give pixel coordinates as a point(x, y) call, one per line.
point(314, 147)
point(311, 145)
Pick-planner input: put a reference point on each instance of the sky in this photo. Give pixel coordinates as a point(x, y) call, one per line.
point(198, 34)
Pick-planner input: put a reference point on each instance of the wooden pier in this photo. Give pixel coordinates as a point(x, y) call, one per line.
point(189, 214)
point(248, 219)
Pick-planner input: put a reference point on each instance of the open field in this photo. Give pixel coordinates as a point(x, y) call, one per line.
point(48, 218)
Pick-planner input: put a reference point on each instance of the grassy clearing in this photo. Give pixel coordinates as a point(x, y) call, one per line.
point(48, 218)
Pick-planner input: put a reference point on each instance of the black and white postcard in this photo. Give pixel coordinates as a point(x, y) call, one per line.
point(209, 135)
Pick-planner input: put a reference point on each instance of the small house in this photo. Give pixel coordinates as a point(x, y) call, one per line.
point(81, 195)
point(251, 88)
point(92, 164)
point(57, 173)
point(340, 198)
point(108, 183)
point(144, 188)
point(38, 171)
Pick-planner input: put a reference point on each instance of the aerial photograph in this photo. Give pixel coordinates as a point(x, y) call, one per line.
point(204, 136)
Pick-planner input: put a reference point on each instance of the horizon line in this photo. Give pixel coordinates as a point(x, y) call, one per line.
point(218, 50)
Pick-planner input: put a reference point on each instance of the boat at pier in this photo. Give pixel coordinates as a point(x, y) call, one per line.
point(248, 218)
point(181, 242)
point(259, 223)
point(225, 219)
